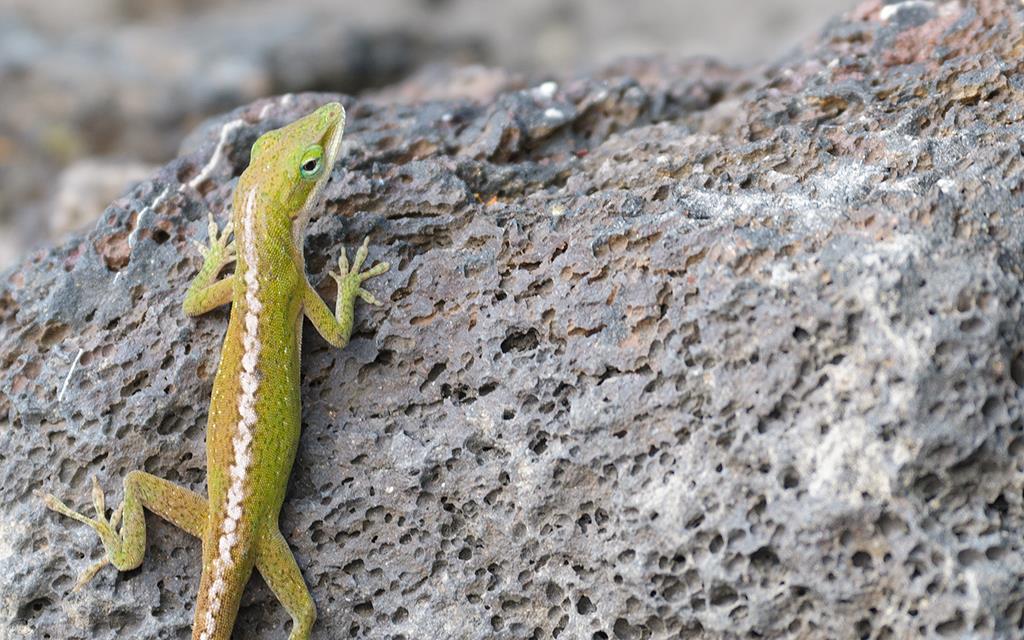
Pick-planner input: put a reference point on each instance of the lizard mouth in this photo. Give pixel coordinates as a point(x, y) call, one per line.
point(332, 143)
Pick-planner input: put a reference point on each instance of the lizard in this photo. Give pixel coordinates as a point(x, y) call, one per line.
point(254, 416)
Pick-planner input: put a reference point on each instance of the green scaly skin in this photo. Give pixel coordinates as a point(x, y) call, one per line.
point(254, 419)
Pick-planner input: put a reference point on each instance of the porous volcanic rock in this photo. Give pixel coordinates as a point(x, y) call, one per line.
point(667, 351)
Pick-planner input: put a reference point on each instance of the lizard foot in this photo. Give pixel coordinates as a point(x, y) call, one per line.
point(219, 252)
point(106, 528)
point(350, 279)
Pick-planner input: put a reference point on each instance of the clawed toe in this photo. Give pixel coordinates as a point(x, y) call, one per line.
point(367, 297)
point(89, 574)
point(361, 253)
point(378, 269)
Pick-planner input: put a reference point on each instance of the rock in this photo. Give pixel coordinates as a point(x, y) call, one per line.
point(109, 78)
point(668, 351)
point(133, 92)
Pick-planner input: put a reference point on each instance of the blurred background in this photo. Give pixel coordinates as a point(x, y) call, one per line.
point(94, 94)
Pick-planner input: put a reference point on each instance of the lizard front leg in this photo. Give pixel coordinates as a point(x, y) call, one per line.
point(336, 328)
point(126, 546)
point(205, 294)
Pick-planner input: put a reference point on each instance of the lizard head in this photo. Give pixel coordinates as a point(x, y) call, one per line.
point(292, 164)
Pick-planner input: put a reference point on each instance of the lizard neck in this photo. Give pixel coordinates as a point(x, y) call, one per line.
point(269, 246)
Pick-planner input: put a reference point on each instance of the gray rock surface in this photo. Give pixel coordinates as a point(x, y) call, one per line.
point(670, 351)
point(114, 80)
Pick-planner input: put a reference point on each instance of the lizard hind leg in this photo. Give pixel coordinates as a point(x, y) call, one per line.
point(104, 527)
point(275, 562)
point(126, 545)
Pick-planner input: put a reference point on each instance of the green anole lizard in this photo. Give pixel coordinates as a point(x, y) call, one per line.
point(254, 417)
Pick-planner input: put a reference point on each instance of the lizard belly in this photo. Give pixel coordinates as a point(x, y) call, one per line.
point(251, 439)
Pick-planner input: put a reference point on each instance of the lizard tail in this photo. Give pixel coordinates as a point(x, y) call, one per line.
point(220, 591)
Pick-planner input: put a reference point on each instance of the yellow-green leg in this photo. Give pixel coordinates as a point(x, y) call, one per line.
point(206, 292)
point(275, 562)
point(336, 328)
point(126, 546)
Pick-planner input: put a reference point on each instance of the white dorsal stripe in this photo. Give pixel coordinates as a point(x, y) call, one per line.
point(250, 382)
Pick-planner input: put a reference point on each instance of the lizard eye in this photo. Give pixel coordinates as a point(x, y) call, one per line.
point(312, 163)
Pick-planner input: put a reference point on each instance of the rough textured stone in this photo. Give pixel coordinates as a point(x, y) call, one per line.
point(673, 351)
